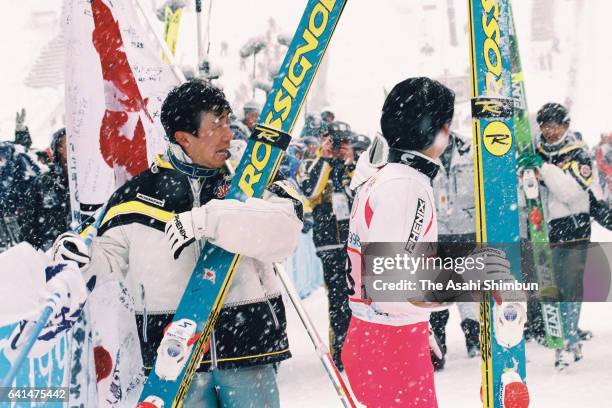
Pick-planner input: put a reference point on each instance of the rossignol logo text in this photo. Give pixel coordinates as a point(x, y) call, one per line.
point(497, 136)
point(299, 66)
point(490, 26)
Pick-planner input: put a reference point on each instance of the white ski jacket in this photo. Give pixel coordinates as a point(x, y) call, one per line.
point(394, 205)
point(131, 243)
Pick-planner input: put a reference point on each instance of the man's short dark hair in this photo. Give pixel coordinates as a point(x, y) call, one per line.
point(414, 112)
point(182, 109)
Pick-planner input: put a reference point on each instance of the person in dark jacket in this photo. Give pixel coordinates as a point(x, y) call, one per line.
point(326, 186)
point(46, 212)
point(17, 171)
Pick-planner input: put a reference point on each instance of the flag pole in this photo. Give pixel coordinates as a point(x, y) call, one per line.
point(161, 43)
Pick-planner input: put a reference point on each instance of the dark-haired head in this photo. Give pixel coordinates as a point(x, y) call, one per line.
point(415, 111)
point(183, 107)
point(554, 121)
point(195, 115)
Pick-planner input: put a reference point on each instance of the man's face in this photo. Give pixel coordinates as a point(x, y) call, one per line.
point(311, 149)
point(62, 152)
point(250, 119)
point(209, 148)
point(340, 148)
point(553, 132)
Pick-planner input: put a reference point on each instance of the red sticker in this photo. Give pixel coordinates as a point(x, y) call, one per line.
point(103, 362)
point(221, 190)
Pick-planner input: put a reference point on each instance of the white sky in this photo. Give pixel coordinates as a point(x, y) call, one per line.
point(376, 45)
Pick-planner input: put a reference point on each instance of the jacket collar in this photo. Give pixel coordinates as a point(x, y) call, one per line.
point(569, 142)
point(183, 164)
point(416, 160)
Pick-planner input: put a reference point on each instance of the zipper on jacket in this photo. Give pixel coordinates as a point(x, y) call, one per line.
point(144, 314)
point(196, 189)
point(274, 317)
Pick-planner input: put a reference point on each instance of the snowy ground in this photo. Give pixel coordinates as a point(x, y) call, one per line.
point(304, 383)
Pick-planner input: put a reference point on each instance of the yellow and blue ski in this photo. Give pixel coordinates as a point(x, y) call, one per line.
point(497, 222)
point(172, 21)
point(212, 276)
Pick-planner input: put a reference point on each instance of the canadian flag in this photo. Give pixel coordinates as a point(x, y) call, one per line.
point(122, 135)
point(115, 84)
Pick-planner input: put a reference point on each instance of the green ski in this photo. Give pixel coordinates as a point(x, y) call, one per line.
point(538, 231)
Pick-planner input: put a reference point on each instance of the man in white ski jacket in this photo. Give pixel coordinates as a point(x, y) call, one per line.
point(155, 226)
point(565, 170)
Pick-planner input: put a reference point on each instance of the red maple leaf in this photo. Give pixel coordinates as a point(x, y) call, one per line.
point(122, 134)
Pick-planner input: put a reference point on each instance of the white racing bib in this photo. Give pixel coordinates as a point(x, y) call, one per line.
point(340, 206)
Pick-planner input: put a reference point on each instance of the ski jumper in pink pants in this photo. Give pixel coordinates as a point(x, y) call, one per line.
point(386, 354)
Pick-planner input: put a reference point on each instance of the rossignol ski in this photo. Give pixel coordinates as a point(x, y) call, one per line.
point(538, 230)
point(178, 357)
point(495, 185)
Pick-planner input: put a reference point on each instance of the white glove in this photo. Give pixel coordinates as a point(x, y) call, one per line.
point(184, 228)
point(496, 265)
point(70, 247)
point(251, 228)
point(20, 121)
